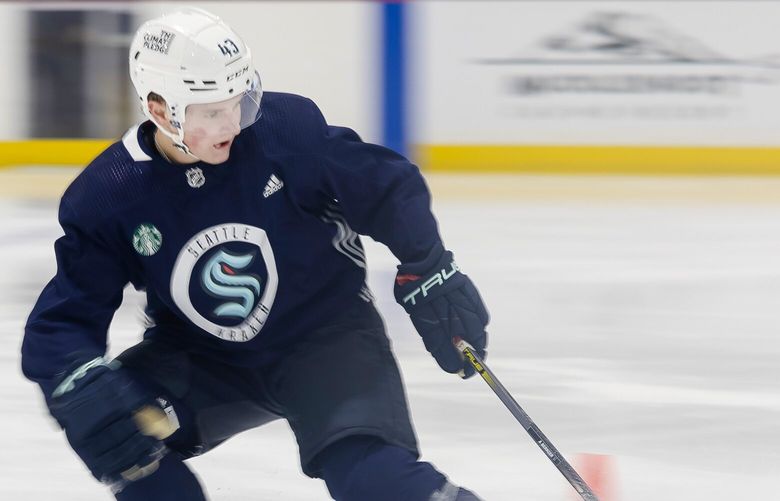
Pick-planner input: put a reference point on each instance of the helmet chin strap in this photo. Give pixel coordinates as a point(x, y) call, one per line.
point(177, 139)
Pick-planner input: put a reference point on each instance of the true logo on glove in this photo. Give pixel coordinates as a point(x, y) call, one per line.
point(436, 279)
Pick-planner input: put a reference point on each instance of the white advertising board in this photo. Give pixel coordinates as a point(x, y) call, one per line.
point(688, 73)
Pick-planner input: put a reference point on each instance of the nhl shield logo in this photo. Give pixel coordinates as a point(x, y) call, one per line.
point(195, 177)
point(147, 239)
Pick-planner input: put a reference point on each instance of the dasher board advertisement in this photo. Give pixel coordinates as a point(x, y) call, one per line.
point(630, 73)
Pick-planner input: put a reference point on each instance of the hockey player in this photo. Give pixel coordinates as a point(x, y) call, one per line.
point(240, 220)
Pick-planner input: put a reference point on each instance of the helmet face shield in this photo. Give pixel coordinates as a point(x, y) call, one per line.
point(234, 114)
point(250, 103)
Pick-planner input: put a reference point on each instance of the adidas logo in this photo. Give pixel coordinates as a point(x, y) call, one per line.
point(273, 185)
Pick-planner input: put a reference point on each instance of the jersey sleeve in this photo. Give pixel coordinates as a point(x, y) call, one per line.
point(71, 317)
point(381, 193)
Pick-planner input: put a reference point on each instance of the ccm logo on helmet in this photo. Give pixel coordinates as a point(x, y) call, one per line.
point(239, 73)
point(437, 279)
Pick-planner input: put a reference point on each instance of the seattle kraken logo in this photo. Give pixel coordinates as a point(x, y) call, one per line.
point(222, 279)
point(225, 276)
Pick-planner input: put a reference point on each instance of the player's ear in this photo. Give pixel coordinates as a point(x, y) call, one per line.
point(158, 109)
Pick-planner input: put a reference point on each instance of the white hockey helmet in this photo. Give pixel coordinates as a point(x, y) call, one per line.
point(192, 57)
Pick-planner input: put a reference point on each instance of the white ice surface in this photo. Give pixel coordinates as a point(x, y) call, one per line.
point(643, 330)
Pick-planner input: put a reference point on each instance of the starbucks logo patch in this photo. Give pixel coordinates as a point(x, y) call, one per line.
point(147, 239)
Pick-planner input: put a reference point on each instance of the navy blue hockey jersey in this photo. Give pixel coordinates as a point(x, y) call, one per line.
point(237, 259)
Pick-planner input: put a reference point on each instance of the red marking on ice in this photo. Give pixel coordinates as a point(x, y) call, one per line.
point(598, 471)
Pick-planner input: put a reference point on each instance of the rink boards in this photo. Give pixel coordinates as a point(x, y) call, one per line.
point(649, 88)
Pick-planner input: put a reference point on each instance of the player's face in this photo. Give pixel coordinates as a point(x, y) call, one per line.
point(209, 129)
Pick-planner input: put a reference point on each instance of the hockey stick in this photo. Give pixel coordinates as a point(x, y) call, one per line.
point(536, 434)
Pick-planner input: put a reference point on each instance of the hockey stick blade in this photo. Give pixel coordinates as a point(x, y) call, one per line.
point(530, 427)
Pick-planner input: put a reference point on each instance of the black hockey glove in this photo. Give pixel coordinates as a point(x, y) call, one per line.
point(443, 304)
point(95, 404)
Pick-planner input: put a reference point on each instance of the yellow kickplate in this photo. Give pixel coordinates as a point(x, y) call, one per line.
point(51, 151)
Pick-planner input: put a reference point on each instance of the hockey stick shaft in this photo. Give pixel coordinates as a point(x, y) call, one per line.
point(536, 434)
